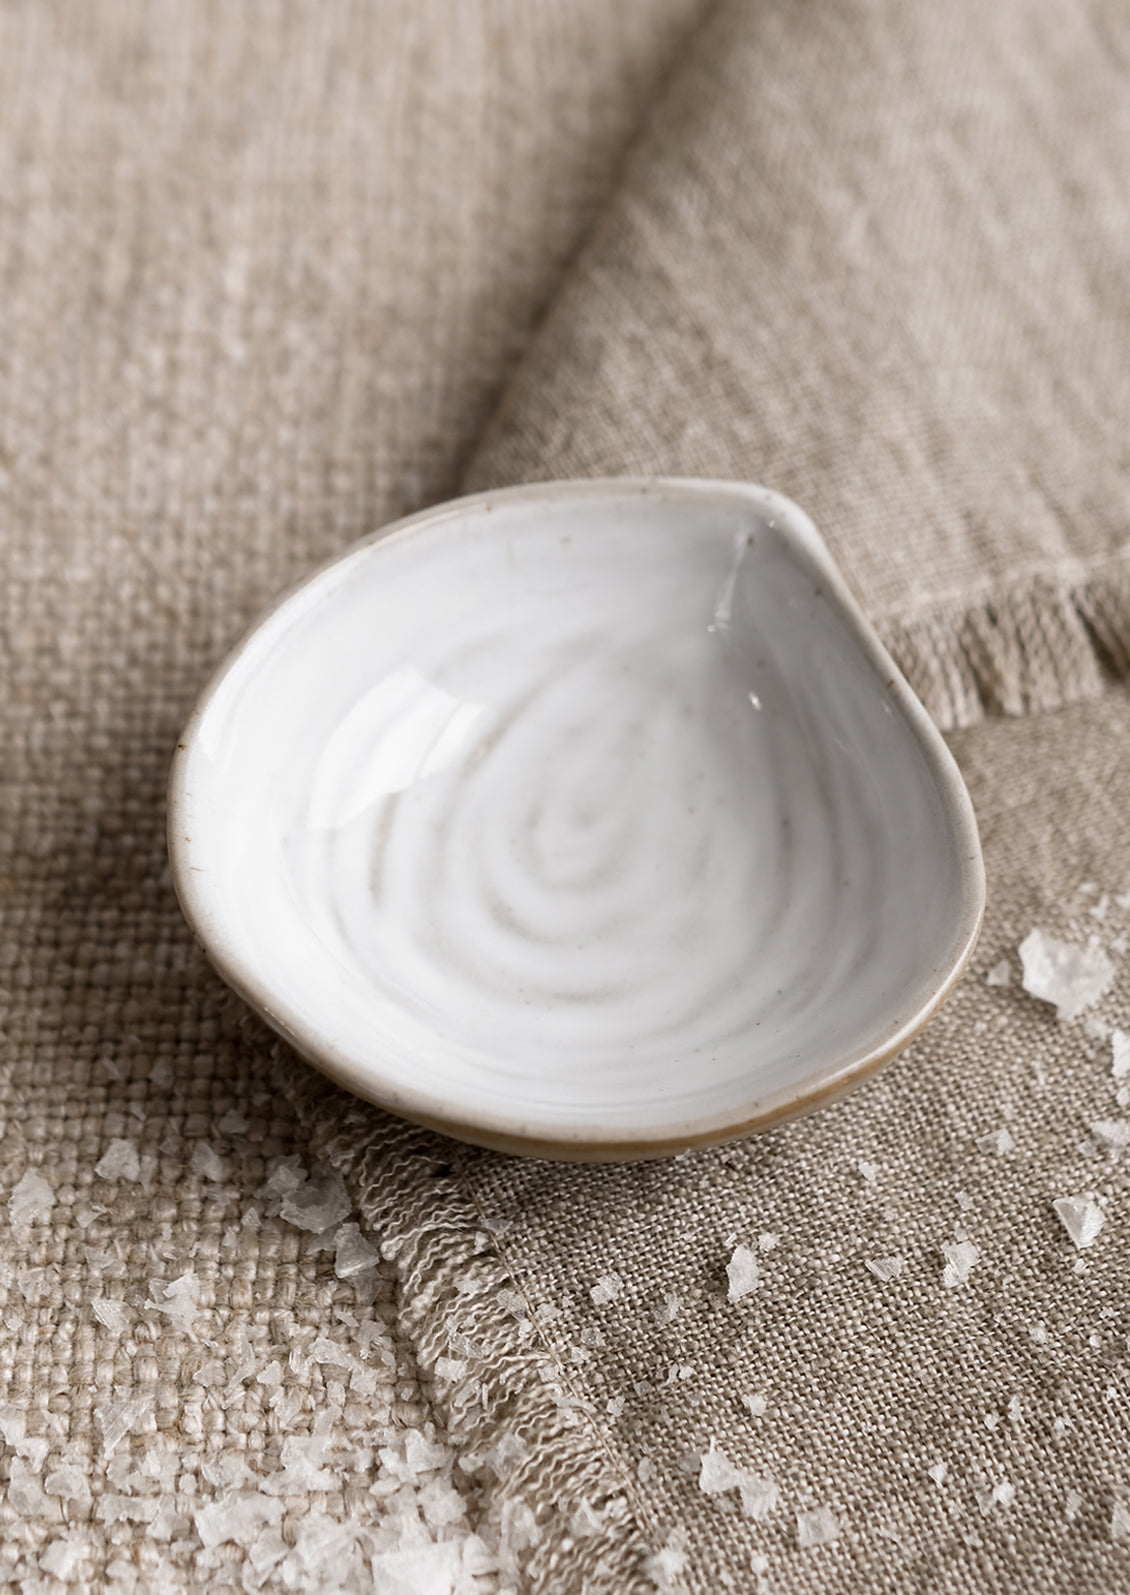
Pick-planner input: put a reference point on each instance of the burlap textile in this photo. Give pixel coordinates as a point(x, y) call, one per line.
point(263, 272)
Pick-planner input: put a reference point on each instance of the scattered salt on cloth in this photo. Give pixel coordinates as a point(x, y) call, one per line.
point(317, 1205)
point(818, 1526)
point(120, 1161)
point(31, 1200)
point(996, 1141)
point(1071, 977)
point(960, 1256)
point(1081, 1217)
point(1120, 1048)
point(742, 1273)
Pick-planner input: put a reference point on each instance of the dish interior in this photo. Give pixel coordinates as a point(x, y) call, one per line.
point(590, 817)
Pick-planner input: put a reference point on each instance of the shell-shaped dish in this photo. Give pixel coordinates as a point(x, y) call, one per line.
point(587, 820)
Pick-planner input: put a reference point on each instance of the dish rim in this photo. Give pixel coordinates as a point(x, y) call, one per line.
point(518, 1133)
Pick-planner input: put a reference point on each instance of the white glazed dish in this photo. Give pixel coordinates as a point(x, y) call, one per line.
point(587, 820)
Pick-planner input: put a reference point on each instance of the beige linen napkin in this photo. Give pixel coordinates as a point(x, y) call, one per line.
point(874, 256)
point(262, 270)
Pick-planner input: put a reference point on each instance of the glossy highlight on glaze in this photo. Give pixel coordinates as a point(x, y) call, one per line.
point(588, 819)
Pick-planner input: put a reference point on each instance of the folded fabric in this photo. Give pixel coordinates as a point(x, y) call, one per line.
point(875, 256)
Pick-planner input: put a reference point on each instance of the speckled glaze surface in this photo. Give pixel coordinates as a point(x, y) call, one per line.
point(584, 820)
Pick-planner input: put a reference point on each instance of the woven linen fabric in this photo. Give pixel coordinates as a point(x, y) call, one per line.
point(262, 270)
point(875, 256)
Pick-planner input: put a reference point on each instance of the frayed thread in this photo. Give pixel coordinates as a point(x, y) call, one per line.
point(1018, 649)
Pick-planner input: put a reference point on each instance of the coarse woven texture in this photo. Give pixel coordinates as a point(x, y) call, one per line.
point(963, 1419)
point(262, 271)
point(877, 256)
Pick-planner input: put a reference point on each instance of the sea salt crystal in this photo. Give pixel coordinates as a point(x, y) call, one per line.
point(1114, 1134)
point(666, 1311)
point(353, 1254)
point(240, 1517)
point(285, 1176)
point(960, 1256)
point(759, 1496)
point(606, 1289)
point(1014, 1409)
point(1120, 1523)
point(1072, 977)
point(208, 1163)
point(1072, 1504)
point(26, 1495)
point(869, 1171)
point(757, 1405)
point(120, 1161)
point(666, 1567)
point(884, 1268)
point(233, 1123)
point(62, 1556)
point(31, 1200)
point(938, 1472)
point(741, 1273)
point(317, 1205)
point(1081, 1217)
point(69, 1484)
point(1120, 1050)
point(114, 1314)
point(176, 1298)
point(817, 1526)
point(717, 1475)
point(1000, 974)
point(118, 1419)
point(768, 1242)
point(995, 1141)
point(511, 1302)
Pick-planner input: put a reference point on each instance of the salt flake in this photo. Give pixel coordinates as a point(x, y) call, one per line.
point(960, 1256)
point(208, 1163)
point(1113, 1133)
point(997, 1142)
point(606, 1289)
point(884, 1268)
point(742, 1273)
point(1120, 1523)
point(1120, 1049)
point(120, 1161)
point(239, 1517)
point(31, 1200)
point(1000, 974)
point(317, 1205)
point(114, 1314)
point(1071, 977)
point(353, 1254)
point(818, 1526)
point(1081, 1217)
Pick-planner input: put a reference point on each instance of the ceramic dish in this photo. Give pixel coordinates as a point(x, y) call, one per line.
point(587, 820)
